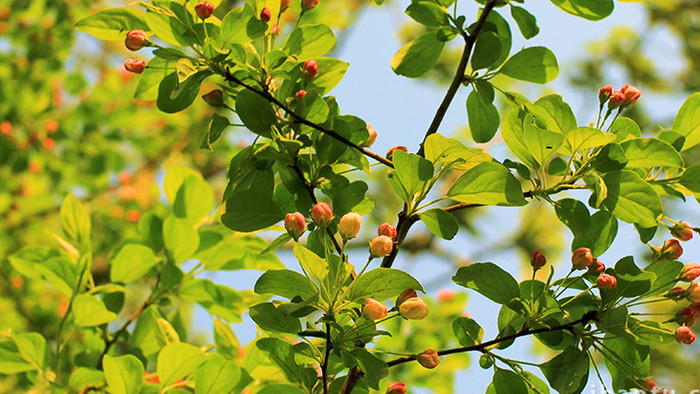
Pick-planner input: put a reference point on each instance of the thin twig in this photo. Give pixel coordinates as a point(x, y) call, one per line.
point(324, 365)
point(120, 331)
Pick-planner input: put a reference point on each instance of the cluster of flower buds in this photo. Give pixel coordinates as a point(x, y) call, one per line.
point(670, 250)
point(204, 9)
point(606, 281)
point(537, 259)
point(411, 306)
point(685, 335)
point(310, 68)
point(682, 231)
point(622, 98)
point(582, 258)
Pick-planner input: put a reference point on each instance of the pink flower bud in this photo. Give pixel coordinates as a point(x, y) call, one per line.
point(414, 308)
point(295, 223)
point(647, 384)
point(606, 281)
point(388, 230)
point(597, 267)
point(381, 246)
point(284, 4)
point(374, 310)
point(349, 225)
point(372, 136)
point(204, 9)
point(604, 93)
point(308, 5)
point(298, 96)
point(537, 259)
point(406, 294)
point(429, 359)
point(215, 98)
point(48, 143)
point(265, 15)
point(677, 293)
point(582, 258)
point(693, 292)
point(135, 40)
point(617, 98)
point(275, 30)
point(135, 66)
point(445, 295)
point(685, 335)
point(396, 388)
point(690, 272)
point(322, 214)
point(310, 68)
point(686, 316)
point(671, 249)
point(682, 231)
point(391, 151)
point(632, 94)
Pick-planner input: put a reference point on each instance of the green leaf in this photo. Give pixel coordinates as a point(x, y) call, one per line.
point(441, 223)
point(285, 283)
point(599, 236)
point(541, 143)
point(112, 24)
point(527, 23)
point(508, 382)
point(81, 377)
point(309, 41)
point(216, 375)
point(310, 262)
point(382, 284)
point(625, 128)
point(568, 371)
point(313, 108)
point(581, 138)
point(225, 339)
point(124, 374)
point(489, 280)
point(238, 27)
point(32, 348)
point(483, 118)
point(250, 210)
point(149, 80)
point(180, 238)
point(413, 172)
point(194, 200)
point(691, 178)
point(687, 121)
point(439, 149)
point(650, 333)
point(592, 10)
point(174, 178)
point(631, 199)
point(177, 361)
point(75, 220)
point(488, 183)
point(132, 262)
point(174, 97)
point(89, 311)
point(330, 73)
point(636, 362)
point(255, 112)
point(282, 354)
point(650, 152)
point(219, 300)
point(269, 318)
point(168, 29)
point(666, 272)
point(428, 14)
point(374, 368)
point(487, 51)
point(467, 331)
point(535, 64)
point(556, 113)
point(10, 362)
point(495, 23)
point(574, 214)
point(217, 125)
point(418, 56)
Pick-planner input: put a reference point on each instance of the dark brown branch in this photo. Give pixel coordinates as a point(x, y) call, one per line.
point(267, 96)
point(119, 332)
point(326, 356)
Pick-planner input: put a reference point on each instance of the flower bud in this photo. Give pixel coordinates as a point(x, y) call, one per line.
point(406, 294)
point(396, 388)
point(537, 259)
point(686, 316)
point(414, 308)
point(582, 258)
point(322, 214)
point(133, 216)
point(295, 223)
point(671, 250)
point(606, 281)
point(604, 93)
point(597, 267)
point(631, 93)
point(445, 294)
point(690, 272)
point(685, 335)
point(308, 5)
point(204, 9)
point(381, 246)
point(275, 30)
point(298, 96)
point(682, 231)
point(125, 178)
point(390, 152)
point(349, 225)
point(429, 359)
point(617, 98)
point(48, 143)
point(693, 292)
point(135, 40)
point(6, 128)
point(310, 68)
point(677, 293)
point(135, 66)
point(372, 136)
point(388, 230)
point(696, 307)
point(265, 15)
point(215, 98)
point(284, 4)
point(647, 384)
point(374, 310)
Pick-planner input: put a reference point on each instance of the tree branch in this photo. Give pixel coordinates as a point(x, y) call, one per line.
point(267, 96)
point(119, 332)
point(326, 356)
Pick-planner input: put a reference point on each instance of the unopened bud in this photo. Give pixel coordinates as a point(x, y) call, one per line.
point(215, 98)
point(388, 230)
point(135, 40)
point(48, 143)
point(6, 128)
point(308, 5)
point(606, 281)
point(135, 66)
point(690, 272)
point(682, 231)
point(686, 316)
point(298, 96)
point(582, 258)
point(275, 30)
point(685, 335)
point(693, 292)
point(349, 225)
point(322, 213)
point(597, 267)
point(604, 93)
point(381, 246)
point(537, 259)
point(406, 294)
point(295, 224)
point(284, 4)
point(390, 153)
point(414, 308)
point(133, 216)
point(310, 68)
point(677, 293)
point(204, 9)
point(631, 93)
point(671, 250)
point(617, 98)
point(374, 310)
point(372, 136)
point(265, 14)
point(649, 385)
point(429, 359)
point(396, 388)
